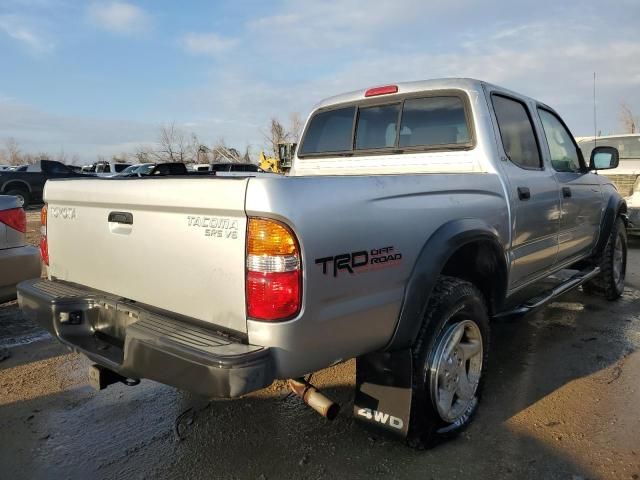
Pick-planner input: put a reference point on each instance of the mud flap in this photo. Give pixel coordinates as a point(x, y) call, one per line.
point(383, 390)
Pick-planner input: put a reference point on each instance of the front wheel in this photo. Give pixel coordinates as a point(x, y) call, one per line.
point(609, 283)
point(450, 358)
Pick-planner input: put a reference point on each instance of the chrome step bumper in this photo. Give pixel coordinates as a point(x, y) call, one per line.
point(136, 341)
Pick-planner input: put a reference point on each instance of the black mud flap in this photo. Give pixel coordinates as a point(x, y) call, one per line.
point(383, 391)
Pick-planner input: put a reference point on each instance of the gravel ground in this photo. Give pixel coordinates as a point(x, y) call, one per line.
point(562, 400)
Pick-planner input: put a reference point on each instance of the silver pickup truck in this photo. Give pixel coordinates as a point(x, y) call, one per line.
point(414, 214)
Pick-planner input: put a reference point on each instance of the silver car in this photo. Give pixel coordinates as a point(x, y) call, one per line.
point(18, 261)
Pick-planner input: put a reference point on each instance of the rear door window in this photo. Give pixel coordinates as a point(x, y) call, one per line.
point(433, 121)
point(516, 130)
point(329, 131)
point(377, 127)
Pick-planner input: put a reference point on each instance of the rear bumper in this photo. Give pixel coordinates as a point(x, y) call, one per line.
point(17, 264)
point(137, 341)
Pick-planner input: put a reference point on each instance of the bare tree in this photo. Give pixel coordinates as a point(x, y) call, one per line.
point(220, 152)
point(62, 156)
point(627, 120)
point(278, 133)
point(295, 127)
point(120, 158)
point(173, 145)
point(13, 151)
point(275, 135)
point(246, 157)
point(144, 154)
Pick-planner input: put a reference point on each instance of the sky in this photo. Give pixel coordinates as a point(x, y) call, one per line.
point(99, 78)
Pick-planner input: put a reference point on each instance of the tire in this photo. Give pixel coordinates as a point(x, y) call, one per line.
point(456, 307)
point(609, 283)
point(21, 194)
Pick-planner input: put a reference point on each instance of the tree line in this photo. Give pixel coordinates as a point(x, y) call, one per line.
point(173, 144)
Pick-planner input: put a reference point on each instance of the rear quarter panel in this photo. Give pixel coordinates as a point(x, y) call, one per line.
point(346, 314)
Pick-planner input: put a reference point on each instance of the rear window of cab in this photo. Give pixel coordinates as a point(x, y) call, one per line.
point(437, 121)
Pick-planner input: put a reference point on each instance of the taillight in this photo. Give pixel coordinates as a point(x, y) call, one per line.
point(273, 271)
point(14, 218)
point(44, 246)
point(386, 90)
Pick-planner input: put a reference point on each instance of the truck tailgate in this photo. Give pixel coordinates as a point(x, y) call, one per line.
point(174, 243)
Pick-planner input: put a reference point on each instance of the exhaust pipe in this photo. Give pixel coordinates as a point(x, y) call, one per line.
point(312, 397)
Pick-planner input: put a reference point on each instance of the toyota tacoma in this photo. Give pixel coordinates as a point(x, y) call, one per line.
point(414, 214)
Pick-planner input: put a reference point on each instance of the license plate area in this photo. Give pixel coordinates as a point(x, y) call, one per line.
point(113, 319)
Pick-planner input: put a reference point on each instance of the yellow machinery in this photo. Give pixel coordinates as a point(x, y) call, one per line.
point(269, 164)
point(282, 164)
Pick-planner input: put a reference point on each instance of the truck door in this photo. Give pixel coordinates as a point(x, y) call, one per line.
point(580, 194)
point(533, 189)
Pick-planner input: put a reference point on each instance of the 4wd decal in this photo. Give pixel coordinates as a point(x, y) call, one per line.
point(361, 261)
point(381, 417)
point(218, 227)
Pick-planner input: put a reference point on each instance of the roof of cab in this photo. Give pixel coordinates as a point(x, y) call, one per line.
point(465, 84)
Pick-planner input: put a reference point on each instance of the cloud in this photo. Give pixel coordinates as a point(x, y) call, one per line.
point(552, 61)
point(41, 131)
point(206, 43)
point(118, 17)
point(19, 28)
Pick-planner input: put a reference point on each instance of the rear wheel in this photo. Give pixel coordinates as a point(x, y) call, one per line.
point(449, 358)
point(23, 197)
point(609, 283)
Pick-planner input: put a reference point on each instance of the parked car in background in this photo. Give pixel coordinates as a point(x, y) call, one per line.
point(27, 184)
point(18, 261)
point(4, 168)
point(626, 177)
point(234, 167)
point(137, 169)
point(105, 169)
point(200, 167)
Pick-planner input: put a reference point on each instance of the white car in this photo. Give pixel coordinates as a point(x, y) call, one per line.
point(626, 177)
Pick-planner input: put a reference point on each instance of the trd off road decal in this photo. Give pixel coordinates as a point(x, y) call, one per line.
point(218, 227)
point(361, 261)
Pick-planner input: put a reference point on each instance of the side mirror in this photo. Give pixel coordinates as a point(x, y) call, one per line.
point(604, 158)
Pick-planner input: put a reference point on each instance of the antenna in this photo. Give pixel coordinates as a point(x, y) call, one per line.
point(595, 123)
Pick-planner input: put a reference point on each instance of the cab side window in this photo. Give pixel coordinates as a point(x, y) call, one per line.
point(564, 154)
point(518, 138)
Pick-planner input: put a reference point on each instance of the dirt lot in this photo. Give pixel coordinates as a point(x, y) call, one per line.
point(562, 401)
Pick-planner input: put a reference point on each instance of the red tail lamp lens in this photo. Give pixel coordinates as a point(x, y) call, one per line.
point(273, 283)
point(273, 296)
point(44, 245)
point(14, 218)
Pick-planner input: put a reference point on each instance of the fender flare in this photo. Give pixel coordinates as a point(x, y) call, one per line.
point(7, 185)
point(433, 257)
point(616, 206)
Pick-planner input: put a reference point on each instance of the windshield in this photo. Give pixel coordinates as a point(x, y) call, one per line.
point(145, 169)
point(131, 169)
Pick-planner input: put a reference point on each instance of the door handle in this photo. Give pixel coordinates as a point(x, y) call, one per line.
point(125, 218)
point(524, 193)
point(566, 192)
